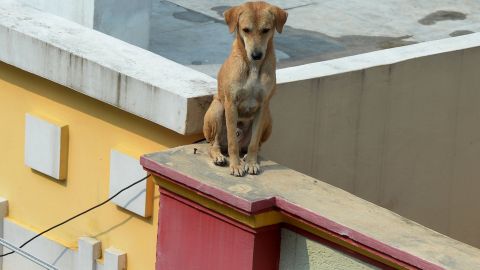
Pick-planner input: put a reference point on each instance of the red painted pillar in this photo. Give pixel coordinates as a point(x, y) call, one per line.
point(193, 237)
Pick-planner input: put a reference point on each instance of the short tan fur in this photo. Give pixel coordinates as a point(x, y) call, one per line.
point(238, 120)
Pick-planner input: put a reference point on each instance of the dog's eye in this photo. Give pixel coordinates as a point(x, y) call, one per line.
point(246, 30)
point(265, 30)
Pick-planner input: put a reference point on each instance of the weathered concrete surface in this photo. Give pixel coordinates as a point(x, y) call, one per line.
point(397, 127)
point(105, 68)
point(123, 19)
point(300, 253)
point(79, 11)
point(193, 33)
point(285, 188)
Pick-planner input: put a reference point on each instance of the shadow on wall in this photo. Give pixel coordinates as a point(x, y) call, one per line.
point(293, 252)
point(300, 253)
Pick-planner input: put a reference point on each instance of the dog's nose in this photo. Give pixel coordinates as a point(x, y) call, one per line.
point(257, 55)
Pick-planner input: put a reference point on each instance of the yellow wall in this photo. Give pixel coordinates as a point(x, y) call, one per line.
point(38, 202)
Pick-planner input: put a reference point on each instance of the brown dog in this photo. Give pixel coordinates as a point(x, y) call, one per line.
point(239, 117)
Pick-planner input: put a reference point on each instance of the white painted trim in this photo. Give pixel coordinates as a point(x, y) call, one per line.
point(89, 250)
point(376, 58)
point(115, 259)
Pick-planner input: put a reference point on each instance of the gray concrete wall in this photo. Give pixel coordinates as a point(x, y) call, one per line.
point(404, 135)
point(300, 253)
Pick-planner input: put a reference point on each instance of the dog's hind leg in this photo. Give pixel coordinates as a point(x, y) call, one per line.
point(213, 129)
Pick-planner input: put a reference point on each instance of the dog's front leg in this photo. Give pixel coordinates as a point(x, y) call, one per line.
point(251, 165)
point(231, 117)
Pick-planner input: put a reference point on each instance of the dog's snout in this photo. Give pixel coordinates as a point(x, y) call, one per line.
point(257, 55)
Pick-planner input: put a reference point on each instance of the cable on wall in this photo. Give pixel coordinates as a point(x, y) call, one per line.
point(77, 215)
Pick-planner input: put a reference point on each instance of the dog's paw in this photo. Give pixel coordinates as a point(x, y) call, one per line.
point(237, 170)
point(220, 160)
point(252, 168)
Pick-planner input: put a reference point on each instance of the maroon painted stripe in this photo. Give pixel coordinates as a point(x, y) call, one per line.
point(323, 222)
point(244, 205)
point(253, 208)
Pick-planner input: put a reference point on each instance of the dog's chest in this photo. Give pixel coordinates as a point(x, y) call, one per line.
point(250, 96)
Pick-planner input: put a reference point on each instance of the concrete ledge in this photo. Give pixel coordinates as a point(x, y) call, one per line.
point(105, 68)
point(314, 202)
point(376, 58)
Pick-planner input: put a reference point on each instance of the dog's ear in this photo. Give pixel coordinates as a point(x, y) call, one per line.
point(231, 17)
point(280, 18)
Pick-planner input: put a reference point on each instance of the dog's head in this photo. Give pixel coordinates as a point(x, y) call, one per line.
point(255, 23)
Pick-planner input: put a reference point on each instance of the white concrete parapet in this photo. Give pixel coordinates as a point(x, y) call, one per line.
point(79, 11)
point(105, 68)
point(376, 58)
point(123, 19)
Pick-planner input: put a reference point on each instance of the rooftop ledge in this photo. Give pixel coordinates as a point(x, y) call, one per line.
point(103, 67)
point(315, 202)
point(146, 84)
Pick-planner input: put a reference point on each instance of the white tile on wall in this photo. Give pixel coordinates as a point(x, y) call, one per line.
point(125, 170)
point(46, 146)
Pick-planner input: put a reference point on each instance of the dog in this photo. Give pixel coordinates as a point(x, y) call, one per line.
point(238, 120)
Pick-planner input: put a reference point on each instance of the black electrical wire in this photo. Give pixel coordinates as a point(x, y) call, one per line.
point(74, 217)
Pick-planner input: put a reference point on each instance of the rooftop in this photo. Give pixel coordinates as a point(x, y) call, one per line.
point(315, 30)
